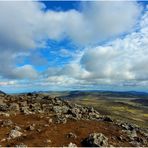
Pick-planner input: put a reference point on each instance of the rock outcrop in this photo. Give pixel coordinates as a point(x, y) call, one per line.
point(95, 140)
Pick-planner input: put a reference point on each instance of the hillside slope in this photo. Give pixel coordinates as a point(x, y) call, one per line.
point(39, 120)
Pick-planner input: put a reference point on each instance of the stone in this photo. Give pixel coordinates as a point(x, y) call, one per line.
point(127, 126)
point(50, 120)
point(141, 140)
point(14, 107)
point(71, 135)
point(25, 110)
point(39, 130)
point(46, 125)
point(14, 134)
point(72, 145)
point(5, 114)
point(107, 119)
point(48, 141)
point(21, 145)
point(2, 140)
point(135, 144)
point(17, 128)
point(95, 140)
point(133, 134)
point(31, 127)
point(3, 107)
point(60, 119)
point(60, 109)
point(120, 138)
point(7, 122)
point(23, 104)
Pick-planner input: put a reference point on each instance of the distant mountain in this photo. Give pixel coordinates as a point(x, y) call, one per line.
point(1, 92)
point(97, 93)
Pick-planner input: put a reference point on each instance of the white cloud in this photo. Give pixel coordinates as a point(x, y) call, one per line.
point(28, 29)
point(6, 83)
point(122, 59)
point(26, 71)
point(25, 27)
point(121, 62)
point(106, 19)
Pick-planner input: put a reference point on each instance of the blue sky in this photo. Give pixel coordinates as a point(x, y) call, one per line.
point(71, 45)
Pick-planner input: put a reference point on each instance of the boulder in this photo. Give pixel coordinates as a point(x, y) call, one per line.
point(14, 107)
point(131, 134)
point(3, 107)
point(107, 119)
point(95, 140)
point(14, 134)
point(26, 110)
point(7, 122)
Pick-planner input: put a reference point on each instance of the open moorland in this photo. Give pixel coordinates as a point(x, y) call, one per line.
point(128, 106)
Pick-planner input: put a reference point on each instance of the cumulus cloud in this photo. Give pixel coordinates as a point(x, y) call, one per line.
point(6, 83)
point(26, 71)
point(103, 20)
point(122, 59)
point(121, 62)
point(26, 27)
point(31, 27)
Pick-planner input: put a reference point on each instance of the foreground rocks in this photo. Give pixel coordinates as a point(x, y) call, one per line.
point(14, 134)
point(95, 140)
point(37, 103)
point(25, 116)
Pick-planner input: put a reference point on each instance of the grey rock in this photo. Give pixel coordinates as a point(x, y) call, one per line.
point(141, 140)
point(7, 122)
point(60, 119)
point(21, 145)
point(14, 134)
point(60, 109)
point(26, 110)
point(3, 107)
point(131, 134)
point(95, 140)
point(135, 144)
point(14, 107)
point(31, 127)
point(17, 128)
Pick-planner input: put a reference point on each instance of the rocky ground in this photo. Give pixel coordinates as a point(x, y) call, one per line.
point(40, 120)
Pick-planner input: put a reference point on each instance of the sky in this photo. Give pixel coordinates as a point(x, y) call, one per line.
point(73, 45)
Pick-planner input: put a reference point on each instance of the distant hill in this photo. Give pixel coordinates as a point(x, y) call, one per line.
point(142, 101)
point(1, 92)
point(98, 93)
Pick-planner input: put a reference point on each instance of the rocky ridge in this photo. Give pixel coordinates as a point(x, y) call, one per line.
point(59, 111)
